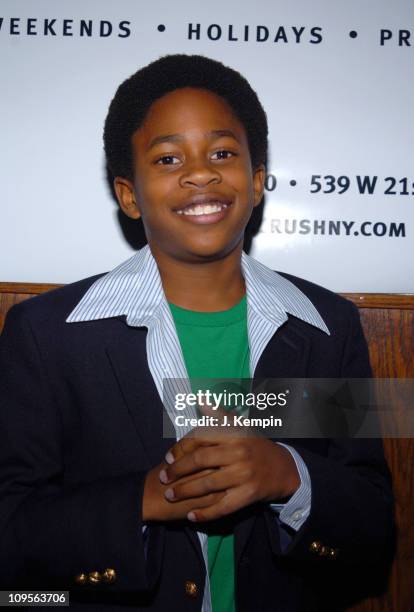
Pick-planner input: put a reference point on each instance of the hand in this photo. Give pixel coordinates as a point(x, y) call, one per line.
point(156, 507)
point(244, 470)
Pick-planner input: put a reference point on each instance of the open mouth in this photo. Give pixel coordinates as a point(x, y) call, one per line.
point(205, 208)
point(197, 210)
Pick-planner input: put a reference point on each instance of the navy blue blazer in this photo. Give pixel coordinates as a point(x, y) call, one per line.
point(80, 426)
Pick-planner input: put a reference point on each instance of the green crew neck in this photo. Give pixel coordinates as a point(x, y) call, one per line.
point(218, 318)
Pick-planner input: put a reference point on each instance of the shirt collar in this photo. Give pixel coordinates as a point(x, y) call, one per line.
point(134, 289)
point(273, 296)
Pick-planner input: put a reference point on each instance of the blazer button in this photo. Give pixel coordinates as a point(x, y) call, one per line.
point(315, 547)
point(94, 577)
point(81, 579)
point(190, 588)
point(109, 575)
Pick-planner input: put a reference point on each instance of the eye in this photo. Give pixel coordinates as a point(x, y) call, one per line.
point(223, 154)
point(167, 160)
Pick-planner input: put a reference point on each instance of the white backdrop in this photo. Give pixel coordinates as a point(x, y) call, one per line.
point(336, 79)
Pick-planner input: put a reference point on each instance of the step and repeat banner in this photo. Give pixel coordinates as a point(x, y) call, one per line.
point(336, 80)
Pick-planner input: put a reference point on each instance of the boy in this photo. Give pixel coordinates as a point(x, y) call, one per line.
point(94, 499)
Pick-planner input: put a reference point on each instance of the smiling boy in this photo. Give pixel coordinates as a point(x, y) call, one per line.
point(94, 499)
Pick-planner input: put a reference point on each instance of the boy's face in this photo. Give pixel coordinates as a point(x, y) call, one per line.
point(193, 186)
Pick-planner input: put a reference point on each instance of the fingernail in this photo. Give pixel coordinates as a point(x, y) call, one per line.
point(163, 476)
point(169, 494)
point(169, 458)
point(191, 516)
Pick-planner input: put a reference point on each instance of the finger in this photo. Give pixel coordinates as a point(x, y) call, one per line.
point(191, 477)
point(214, 480)
point(183, 446)
point(203, 457)
point(180, 510)
point(204, 502)
point(232, 501)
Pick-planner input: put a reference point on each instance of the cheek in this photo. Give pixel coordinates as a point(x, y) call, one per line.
point(242, 179)
point(156, 188)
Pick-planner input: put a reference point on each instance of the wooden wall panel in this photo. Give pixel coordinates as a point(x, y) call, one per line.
point(390, 336)
point(389, 329)
point(388, 322)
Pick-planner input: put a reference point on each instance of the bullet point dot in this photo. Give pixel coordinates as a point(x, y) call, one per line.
point(353, 34)
point(293, 183)
point(161, 27)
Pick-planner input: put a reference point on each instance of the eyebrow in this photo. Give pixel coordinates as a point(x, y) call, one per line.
point(178, 138)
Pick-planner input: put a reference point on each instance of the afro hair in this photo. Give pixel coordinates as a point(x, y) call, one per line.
point(136, 94)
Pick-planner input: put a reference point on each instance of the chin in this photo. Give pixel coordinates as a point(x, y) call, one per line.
point(212, 252)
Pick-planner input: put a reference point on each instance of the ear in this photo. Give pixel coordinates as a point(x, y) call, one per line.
point(125, 194)
point(259, 175)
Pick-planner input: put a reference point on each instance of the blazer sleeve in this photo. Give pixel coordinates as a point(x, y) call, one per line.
point(51, 532)
point(351, 518)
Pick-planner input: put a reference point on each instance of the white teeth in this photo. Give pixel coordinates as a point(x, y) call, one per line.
point(202, 209)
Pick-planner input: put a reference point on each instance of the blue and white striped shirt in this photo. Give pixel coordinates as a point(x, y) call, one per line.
point(134, 289)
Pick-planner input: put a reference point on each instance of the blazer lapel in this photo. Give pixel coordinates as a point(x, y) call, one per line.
point(285, 356)
point(128, 357)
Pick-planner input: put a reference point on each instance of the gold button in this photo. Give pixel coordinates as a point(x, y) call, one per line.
point(81, 579)
point(315, 547)
point(109, 575)
point(190, 588)
point(94, 577)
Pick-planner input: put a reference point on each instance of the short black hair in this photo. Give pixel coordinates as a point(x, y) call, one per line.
point(134, 97)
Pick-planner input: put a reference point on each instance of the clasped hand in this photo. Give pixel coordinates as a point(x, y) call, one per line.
point(206, 476)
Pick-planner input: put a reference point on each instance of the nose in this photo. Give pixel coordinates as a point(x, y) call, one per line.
point(200, 173)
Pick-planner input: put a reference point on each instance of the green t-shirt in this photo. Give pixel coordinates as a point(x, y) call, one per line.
point(216, 345)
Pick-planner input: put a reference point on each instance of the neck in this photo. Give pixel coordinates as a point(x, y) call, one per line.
point(205, 286)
